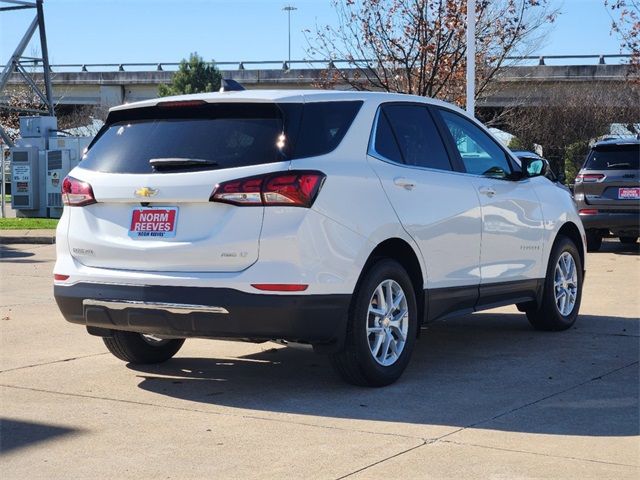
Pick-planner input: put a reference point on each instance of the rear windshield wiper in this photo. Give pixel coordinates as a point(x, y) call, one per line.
point(177, 162)
point(611, 165)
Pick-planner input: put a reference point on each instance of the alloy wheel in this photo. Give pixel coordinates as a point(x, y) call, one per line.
point(387, 322)
point(566, 284)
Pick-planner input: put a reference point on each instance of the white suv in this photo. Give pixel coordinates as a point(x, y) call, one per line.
point(344, 220)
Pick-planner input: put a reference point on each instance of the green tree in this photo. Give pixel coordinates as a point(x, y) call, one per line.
point(516, 144)
point(574, 156)
point(193, 76)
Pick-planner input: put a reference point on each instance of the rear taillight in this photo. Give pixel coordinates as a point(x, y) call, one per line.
point(589, 177)
point(588, 211)
point(76, 193)
point(293, 189)
point(59, 277)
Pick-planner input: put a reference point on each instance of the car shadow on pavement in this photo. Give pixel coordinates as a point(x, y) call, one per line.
point(475, 370)
point(13, 255)
point(16, 434)
point(614, 246)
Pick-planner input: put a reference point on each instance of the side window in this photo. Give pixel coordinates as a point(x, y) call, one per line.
point(407, 134)
point(385, 141)
point(417, 136)
point(480, 154)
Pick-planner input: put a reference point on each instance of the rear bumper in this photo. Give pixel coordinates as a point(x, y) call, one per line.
point(618, 221)
point(205, 312)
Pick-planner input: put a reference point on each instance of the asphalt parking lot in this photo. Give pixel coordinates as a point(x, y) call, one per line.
point(485, 396)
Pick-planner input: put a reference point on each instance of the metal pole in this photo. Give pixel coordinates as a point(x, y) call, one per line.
point(471, 57)
point(45, 58)
point(289, 9)
point(5, 137)
point(15, 58)
point(289, 30)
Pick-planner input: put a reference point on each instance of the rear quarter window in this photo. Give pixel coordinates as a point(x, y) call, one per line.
point(323, 127)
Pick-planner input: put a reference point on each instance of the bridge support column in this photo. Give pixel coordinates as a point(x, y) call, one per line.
point(111, 95)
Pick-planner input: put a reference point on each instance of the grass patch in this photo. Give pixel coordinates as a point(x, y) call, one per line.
point(28, 223)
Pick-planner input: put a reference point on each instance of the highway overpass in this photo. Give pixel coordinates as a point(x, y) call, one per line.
point(532, 85)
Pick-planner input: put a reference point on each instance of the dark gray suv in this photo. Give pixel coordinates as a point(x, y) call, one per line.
point(607, 192)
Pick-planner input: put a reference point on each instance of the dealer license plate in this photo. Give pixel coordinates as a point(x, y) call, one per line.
point(150, 223)
point(629, 193)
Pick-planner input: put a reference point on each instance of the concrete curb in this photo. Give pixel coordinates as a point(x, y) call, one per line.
point(44, 237)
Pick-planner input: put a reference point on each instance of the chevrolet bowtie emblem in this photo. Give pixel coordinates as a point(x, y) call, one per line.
point(146, 192)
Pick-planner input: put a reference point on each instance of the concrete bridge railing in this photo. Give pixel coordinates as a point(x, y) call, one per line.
point(113, 87)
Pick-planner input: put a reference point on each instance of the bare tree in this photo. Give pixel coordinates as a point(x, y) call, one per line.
point(625, 22)
point(19, 97)
point(419, 46)
point(571, 117)
point(84, 120)
point(23, 98)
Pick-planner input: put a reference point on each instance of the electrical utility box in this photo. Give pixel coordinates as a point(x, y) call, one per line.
point(24, 178)
point(75, 145)
point(37, 127)
point(57, 168)
point(39, 163)
point(63, 155)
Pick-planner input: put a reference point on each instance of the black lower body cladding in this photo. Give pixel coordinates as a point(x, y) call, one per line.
point(316, 319)
point(612, 221)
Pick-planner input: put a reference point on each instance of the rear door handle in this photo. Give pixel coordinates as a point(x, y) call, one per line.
point(488, 191)
point(404, 183)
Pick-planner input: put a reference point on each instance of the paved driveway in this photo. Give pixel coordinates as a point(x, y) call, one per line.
point(485, 396)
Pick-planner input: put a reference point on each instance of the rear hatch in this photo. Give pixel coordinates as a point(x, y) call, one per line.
point(611, 177)
point(152, 171)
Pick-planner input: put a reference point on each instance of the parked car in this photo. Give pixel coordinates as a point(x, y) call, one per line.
point(607, 191)
point(558, 179)
point(344, 220)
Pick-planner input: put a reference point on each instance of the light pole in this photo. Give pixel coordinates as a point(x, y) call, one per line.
point(289, 9)
point(471, 57)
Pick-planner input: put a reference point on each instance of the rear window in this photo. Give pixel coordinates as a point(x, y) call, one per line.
point(222, 135)
point(614, 157)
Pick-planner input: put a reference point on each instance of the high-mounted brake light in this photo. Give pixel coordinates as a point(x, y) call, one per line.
point(181, 103)
point(589, 177)
point(76, 193)
point(293, 188)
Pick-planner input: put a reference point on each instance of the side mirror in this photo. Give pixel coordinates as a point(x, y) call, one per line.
point(533, 167)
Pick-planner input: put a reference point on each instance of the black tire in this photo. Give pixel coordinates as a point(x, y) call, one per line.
point(628, 240)
point(133, 348)
point(594, 240)
point(356, 363)
point(547, 316)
